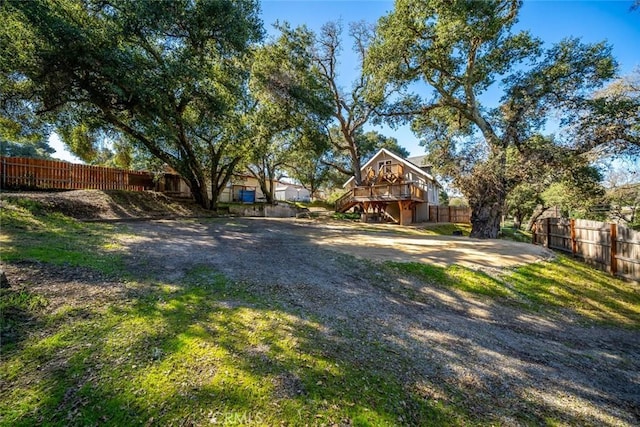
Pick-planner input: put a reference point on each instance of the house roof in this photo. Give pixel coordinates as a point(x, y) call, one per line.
point(284, 185)
point(406, 162)
point(418, 161)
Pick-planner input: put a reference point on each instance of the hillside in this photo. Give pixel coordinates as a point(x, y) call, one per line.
point(108, 205)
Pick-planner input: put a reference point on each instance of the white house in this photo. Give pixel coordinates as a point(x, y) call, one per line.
point(392, 189)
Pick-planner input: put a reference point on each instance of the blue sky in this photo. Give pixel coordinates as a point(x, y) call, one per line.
point(551, 21)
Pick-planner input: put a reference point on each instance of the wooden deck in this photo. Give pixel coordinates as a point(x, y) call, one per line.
point(380, 193)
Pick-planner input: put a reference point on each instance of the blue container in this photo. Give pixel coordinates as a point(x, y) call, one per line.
point(248, 196)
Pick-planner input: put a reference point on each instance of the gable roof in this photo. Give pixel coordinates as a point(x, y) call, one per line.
point(405, 162)
point(418, 161)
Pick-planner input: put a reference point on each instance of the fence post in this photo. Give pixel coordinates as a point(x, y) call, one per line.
point(614, 238)
point(548, 239)
point(574, 244)
point(533, 233)
point(3, 174)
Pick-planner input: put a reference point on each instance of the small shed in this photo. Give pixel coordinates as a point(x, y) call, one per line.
point(292, 193)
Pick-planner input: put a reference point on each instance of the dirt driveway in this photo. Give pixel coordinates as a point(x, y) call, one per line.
point(387, 243)
point(497, 358)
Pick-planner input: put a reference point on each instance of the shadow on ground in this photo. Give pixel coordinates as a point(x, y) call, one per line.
point(254, 322)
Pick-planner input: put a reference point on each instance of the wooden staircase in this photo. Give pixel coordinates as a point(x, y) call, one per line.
point(345, 202)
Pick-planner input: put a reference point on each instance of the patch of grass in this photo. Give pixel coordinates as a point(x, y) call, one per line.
point(563, 284)
point(31, 233)
point(568, 284)
point(20, 300)
point(454, 276)
point(350, 216)
point(510, 233)
point(446, 229)
point(206, 351)
point(17, 308)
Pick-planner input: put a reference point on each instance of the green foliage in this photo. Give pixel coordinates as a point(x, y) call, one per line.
point(39, 150)
point(458, 201)
point(624, 203)
point(167, 77)
point(571, 201)
point(458, 50)
point(20, 126)
point(80, 140)
point(289, 113)
point(443, 197)
point(548, 174)
point(610, 122)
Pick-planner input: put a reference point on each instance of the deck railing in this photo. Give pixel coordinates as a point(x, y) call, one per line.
point(402, 191)
point(383, 192)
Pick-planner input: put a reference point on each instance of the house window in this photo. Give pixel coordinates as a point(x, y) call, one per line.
point(385, 166)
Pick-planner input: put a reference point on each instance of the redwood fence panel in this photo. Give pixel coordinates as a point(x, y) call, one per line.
point(609, 247)
point(456, 214)
point(39, 174)
point(627, 253)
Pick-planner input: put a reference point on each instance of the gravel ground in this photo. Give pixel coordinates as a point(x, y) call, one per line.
point(498, 360)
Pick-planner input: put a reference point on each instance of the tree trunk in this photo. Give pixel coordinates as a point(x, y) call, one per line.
point(487, 194)
point(200, 193)
point(537, 212)
point(485, 220)
point(268, 194)
point(215, 195)
point(517, 220)
point(357, 173)
point(356, 164)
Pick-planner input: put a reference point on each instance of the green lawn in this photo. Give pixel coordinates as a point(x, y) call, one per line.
point(564, 284)
point(206, 350)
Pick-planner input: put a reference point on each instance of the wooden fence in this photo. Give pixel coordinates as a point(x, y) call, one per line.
point(609, 247)
point(38, 174)
point(459, 214)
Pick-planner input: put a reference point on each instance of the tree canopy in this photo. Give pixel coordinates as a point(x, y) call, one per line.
point(289, 107)
point(168, 77)
point(457, 51)
point(609, 123)
point(352, 109)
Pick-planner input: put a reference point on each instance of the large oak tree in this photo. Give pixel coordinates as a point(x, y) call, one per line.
point(168, 76)
point(457, 50)
point(290, 107)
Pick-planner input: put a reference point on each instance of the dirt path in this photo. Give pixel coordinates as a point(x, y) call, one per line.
point(449, 345)
point(387, 243)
